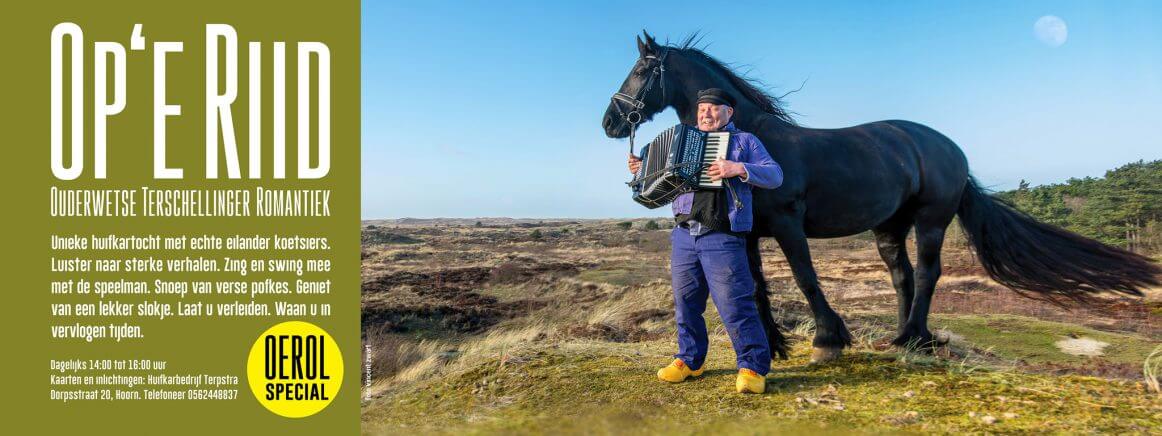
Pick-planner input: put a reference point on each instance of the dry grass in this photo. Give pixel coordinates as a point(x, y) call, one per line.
point(1152, 370)
point(392, 353)
point(396, 360)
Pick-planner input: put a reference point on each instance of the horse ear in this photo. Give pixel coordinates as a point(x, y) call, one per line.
point(643, 48)
point(650, 40)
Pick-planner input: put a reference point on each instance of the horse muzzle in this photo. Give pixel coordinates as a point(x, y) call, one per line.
point(615, 126)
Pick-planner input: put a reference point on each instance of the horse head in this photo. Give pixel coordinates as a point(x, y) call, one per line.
point(671, 76)
point(642, 95)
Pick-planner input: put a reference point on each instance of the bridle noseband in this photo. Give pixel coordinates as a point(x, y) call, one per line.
point(633, 116)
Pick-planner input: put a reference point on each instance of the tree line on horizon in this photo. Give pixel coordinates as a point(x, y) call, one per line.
point(1123, 208)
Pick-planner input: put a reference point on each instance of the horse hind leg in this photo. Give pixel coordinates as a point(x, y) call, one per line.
point(891, 241)
point(929, 241)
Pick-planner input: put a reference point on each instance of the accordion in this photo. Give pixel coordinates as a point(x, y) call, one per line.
point(673, 164)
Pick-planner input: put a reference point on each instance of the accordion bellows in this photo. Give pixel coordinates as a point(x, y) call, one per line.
point(673, 164)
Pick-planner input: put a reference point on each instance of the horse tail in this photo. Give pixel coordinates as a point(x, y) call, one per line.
point(1043, 261)
point(775, 339)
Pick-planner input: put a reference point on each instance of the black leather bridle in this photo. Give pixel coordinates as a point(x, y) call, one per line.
point(633, 115)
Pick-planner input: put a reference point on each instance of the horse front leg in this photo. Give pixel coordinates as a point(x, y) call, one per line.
point(831, 334)
point(775, 339)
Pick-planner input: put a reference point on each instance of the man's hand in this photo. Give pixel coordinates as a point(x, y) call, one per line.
point(725, 169)
point(634, 164)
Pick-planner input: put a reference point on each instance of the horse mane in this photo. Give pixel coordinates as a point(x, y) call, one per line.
point(751, 88)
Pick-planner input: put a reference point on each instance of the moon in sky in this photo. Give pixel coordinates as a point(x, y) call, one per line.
point(1051, 30)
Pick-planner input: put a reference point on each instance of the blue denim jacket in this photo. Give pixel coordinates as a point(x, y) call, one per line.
point(762, 171)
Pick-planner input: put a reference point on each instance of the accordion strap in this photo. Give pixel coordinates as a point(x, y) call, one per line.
point(685, 186)
point(651, 176)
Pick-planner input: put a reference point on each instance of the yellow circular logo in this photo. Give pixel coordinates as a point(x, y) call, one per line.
point(295, 369)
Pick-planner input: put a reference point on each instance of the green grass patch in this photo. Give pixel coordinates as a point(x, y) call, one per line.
point(1032, 340)
point(611, 388)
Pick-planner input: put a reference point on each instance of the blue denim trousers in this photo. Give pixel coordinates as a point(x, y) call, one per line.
point(715, 263)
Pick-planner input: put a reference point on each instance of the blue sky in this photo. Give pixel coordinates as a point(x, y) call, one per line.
point(478, 108)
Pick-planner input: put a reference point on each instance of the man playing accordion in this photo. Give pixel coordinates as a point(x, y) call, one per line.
point(708, 254)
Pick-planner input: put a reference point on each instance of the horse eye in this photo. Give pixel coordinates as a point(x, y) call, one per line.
point(642, 69)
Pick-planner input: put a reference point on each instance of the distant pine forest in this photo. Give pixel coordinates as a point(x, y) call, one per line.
point(1123, 208)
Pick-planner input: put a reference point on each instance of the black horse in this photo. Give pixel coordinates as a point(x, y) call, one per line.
point(887, 177)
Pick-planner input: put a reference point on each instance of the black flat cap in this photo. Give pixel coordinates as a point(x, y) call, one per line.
point(715, 96)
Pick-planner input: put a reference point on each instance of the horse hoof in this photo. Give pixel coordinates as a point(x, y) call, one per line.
point(942, 338)
point(825, 354)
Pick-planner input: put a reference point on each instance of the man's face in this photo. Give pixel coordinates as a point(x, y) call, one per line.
point(712, 117)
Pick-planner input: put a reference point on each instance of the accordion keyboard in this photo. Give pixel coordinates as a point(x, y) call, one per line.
point(716, 145)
